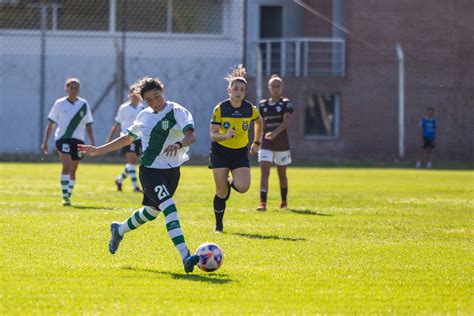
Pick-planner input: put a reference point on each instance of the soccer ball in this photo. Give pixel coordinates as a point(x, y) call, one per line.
point(210, 257)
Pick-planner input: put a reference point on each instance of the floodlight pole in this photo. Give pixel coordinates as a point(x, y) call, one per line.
point(401, 101)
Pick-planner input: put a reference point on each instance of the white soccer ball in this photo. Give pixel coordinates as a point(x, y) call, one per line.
point(211, 257)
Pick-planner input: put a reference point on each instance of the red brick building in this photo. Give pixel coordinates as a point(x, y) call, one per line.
point(438, 45)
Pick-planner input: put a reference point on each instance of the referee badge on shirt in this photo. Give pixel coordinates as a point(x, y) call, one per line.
point(245, 126)
point(226, 125)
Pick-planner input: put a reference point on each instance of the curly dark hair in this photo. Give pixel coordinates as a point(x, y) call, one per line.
point(146, 84)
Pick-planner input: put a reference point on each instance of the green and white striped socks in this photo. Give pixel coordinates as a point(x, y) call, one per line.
point(129, 170)
point(148, 213)
point(138, 218)
point(172, 226)
point(71, 187)
point(65, 185)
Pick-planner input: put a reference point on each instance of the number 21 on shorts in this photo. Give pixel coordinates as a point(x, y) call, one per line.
point(162, 191)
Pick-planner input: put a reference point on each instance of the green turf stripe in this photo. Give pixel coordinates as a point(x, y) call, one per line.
point(148, 215)
point(172, 225)
point(170, 209)
point(178, 240)
point(137, 217)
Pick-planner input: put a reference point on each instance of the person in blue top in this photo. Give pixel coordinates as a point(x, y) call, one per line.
point(428, 128)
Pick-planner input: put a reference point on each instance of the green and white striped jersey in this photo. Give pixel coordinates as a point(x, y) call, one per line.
point(70, 117)
point(157, 130)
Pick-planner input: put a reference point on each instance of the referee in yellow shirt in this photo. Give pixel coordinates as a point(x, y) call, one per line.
point(229, 135)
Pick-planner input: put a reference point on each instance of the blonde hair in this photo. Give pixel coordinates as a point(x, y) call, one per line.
point(72, 80)
point(238, 73)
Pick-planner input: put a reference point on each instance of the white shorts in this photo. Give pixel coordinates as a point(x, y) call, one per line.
point(280, 158)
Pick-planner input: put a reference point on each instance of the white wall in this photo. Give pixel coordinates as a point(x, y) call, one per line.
point(191, 67)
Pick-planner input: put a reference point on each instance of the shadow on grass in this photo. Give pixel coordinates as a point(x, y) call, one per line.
point(308, 212)
point(92, 207)
point(259, 236)
point(216, 278)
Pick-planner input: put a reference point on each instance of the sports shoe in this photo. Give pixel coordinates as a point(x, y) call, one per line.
point(262, 207)
point(189, 262)
point(66, 201)
point(115, 239)
point(283, 204)
point(137, 189)
point(119, 185)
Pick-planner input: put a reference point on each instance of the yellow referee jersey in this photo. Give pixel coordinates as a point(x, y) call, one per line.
point(226, 116)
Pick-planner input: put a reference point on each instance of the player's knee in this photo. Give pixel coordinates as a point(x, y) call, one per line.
point(242, 187)
point(222, 192)
point(265, 173)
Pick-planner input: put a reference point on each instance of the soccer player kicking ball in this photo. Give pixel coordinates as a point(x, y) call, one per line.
point(161, 128)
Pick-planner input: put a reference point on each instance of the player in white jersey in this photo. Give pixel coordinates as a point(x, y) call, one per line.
point(166, 130)
point(72, 116)
point(126, 114)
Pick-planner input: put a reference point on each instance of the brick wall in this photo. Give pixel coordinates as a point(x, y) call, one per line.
point(436, 37)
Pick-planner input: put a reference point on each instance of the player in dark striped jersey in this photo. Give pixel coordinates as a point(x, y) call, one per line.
point(276, 112)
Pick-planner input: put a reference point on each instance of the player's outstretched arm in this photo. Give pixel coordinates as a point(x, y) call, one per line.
point(188, 139)
point(120, 142)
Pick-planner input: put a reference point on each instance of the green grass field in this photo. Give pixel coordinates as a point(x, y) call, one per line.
point(365, 241)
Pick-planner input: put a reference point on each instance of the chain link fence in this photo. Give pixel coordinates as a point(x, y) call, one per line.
point(108, 44)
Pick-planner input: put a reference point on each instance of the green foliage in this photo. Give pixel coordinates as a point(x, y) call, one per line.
point(364, 241)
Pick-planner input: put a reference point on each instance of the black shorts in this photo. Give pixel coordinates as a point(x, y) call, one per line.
point(135, 147)
point(428, 143)
point(158, 185)
point(224, 157)
point(68, 146)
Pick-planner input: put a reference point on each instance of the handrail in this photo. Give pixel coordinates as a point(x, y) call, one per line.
point(301, 56)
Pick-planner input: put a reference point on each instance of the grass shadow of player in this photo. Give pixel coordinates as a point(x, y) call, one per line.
point(308, 212)
point(260, 236)
point(215, 278)
point(91, 207)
